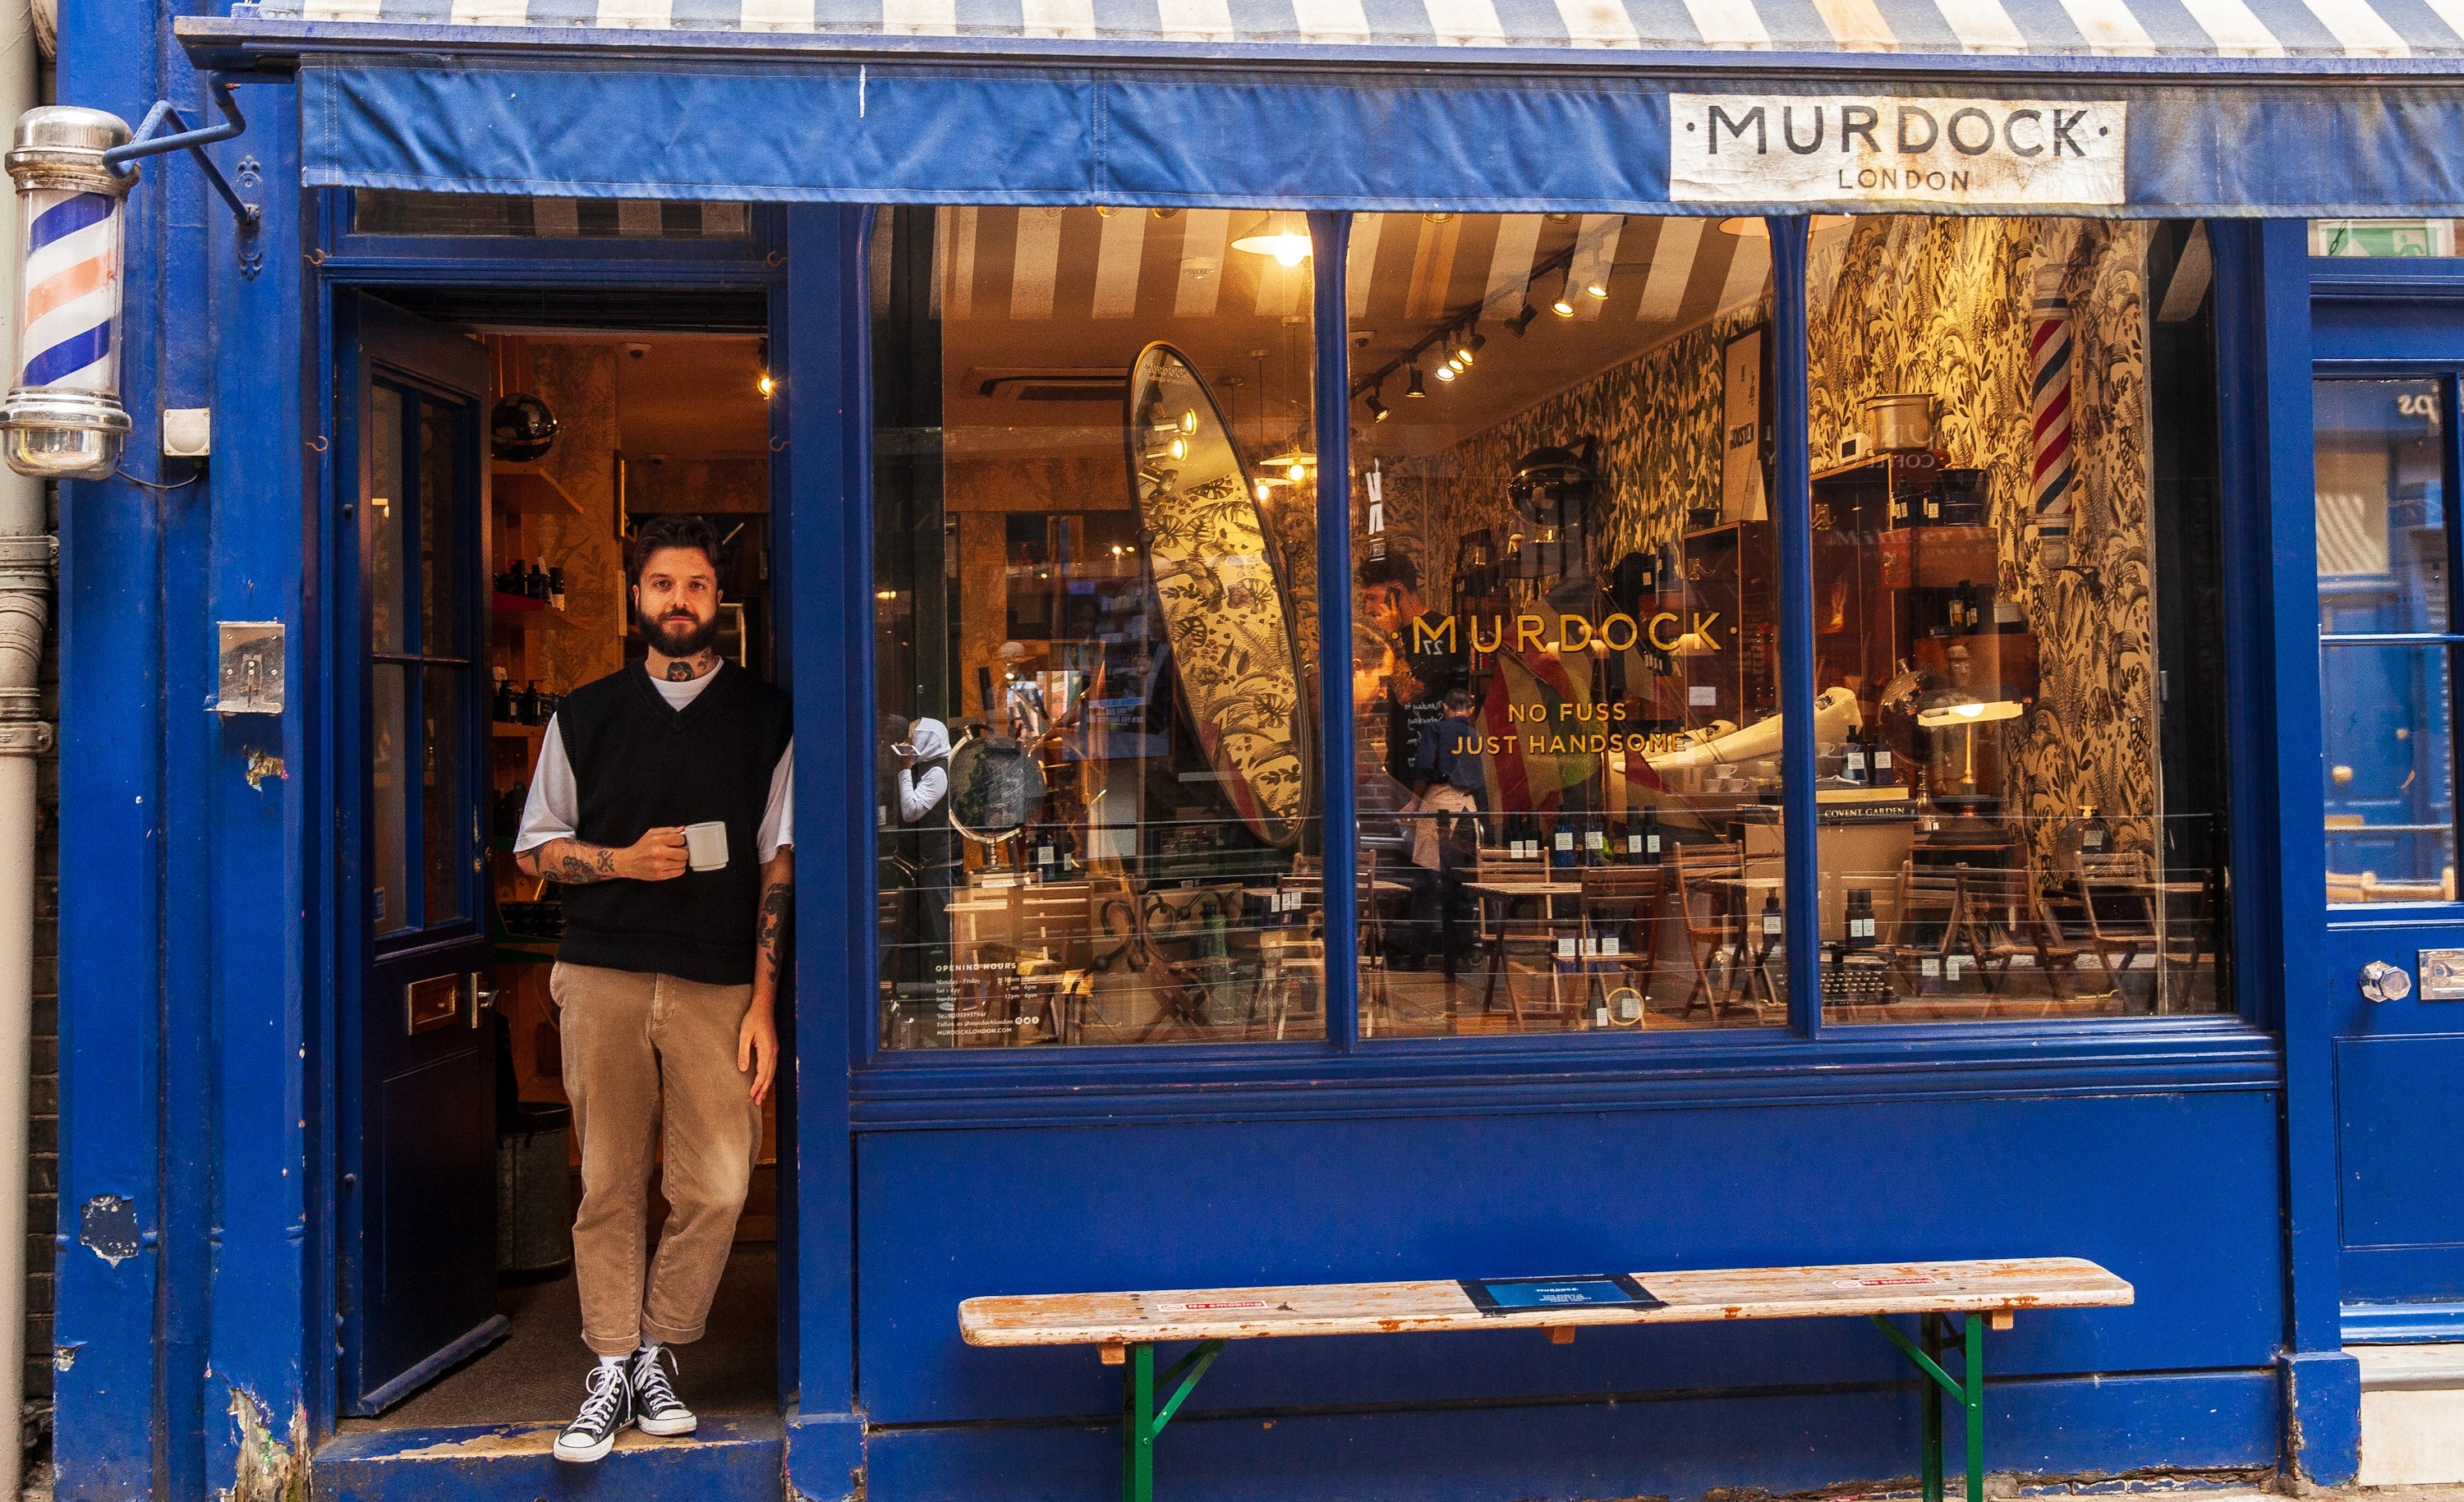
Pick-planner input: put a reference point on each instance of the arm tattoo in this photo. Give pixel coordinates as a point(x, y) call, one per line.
point(778, 902)
point(570, 861)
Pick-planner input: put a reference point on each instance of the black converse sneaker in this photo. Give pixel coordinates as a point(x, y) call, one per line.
point(604, 1416)
point(655, 1408)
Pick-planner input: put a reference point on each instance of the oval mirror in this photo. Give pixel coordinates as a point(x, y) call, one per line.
point(996, 787)
point(1228, 610)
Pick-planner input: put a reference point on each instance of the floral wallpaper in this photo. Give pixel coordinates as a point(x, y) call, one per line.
point(1902, 303)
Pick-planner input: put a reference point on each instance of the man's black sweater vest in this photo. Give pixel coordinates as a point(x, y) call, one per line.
point(638, 766)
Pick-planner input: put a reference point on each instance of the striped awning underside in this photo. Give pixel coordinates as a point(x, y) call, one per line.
point(2358, 29)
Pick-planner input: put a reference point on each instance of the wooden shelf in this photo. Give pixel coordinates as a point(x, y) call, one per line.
point(516, 732)
point(529, 488)
point(524, 613)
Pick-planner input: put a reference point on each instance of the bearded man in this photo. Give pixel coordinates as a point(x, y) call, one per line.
point(663, 805)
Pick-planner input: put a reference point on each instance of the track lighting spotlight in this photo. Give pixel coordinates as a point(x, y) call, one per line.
point(1414, 388)
point(1472, 346)
point(1445, 373)
point(1522, 321)
point(1378, 410)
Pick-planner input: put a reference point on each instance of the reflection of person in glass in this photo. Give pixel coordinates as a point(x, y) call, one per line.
point(927, 847)
point(1390, 600)
point(1446, 779)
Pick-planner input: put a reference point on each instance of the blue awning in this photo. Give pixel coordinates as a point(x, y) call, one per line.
point(2286, 108)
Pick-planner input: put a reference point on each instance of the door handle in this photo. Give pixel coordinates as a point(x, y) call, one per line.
point(483, 997)
point(2384, 982)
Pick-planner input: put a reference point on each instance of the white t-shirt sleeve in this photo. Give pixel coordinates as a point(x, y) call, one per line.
point(553, 805)
point(779, 816)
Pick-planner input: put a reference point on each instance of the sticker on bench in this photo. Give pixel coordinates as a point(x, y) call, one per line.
point(1512, 1295)
point(1210, 1308)
point(1911, 1281)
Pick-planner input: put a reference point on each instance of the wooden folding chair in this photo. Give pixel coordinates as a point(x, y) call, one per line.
point(1710, 915)
point(1620, 920)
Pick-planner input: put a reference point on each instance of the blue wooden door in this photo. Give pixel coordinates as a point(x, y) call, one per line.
point(418, 1087)
point(2385, 423)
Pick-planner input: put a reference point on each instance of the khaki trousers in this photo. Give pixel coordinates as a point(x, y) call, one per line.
point(652, 1058)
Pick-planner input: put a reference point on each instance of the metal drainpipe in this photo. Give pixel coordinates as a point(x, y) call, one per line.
point(29, 559)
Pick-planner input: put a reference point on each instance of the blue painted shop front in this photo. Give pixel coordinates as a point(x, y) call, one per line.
point(2200, 1156)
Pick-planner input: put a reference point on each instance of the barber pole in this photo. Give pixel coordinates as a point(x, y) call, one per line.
point(62, 416)
point(2053, 465)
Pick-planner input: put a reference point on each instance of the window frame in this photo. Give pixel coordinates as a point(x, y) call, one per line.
point(1803, 1060)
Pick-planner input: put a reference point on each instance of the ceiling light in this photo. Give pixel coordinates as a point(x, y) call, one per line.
point(1472, 346)
point(765, 385)
point(1378, 410)
point(1564, 306)
point(1189, 421)
point(1414, 388)
point(1266, 490)
point(1180, 448)
point(1287, 248)
point(1597, 287)
point(1445, 373)
point(1298, 472)
point(1522, 321)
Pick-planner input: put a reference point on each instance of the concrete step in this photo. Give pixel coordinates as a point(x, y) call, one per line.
point(730, 1460)
point(2412, 1414)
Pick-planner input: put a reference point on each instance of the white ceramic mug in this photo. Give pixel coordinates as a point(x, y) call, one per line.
point(706, 846)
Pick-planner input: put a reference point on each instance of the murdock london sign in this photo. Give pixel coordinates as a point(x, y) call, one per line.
point(1757, 148)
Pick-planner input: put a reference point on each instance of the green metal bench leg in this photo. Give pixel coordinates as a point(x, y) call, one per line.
point(1930, 1328)
point(1936, 1380)
point(1141, 1421)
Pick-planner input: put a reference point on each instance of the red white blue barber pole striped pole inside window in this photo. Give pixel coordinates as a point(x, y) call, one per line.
point(62, 416)
point(2055, 468)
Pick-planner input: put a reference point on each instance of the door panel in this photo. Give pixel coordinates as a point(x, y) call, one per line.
point(2386, 436)
point(418, 1118)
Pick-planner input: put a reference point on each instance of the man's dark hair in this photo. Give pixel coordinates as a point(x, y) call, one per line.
point(1458, 699)
point(1392, 569)
point(655, 533)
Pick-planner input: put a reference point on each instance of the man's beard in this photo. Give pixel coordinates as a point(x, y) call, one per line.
point(674, 638)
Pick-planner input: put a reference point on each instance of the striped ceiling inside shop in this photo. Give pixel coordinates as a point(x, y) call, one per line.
point(1043, 309)
point(2125, 28)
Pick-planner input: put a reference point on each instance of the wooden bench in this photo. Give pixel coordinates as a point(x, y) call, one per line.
point(1126, 1328)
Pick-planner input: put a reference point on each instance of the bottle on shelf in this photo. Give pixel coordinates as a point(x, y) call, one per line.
point(1861, 935)
point(538, 585)
point(1561, 843)
point(1880, 773)
point(526, 706)
point(1775, 927)
point(1852, 769)
point(506, 711)
point(510, 581)
point(1047, 855)
point(555, 587)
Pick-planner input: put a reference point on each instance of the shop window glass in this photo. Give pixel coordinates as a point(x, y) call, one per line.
point(1095, 586)
point(2385, 671)
point(1566, 659)
point(483, 216)
point(2015, 583)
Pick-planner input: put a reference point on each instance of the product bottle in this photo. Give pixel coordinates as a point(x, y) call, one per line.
point(555, 587)
point(510, 581)
point(1853, 771)
point(1047, 855)
point(506, 711)
point(1561, 843)
point(1880, 772)
point(538, 584)
point(526, 706)
point(1775, 927)
point(1860, 919)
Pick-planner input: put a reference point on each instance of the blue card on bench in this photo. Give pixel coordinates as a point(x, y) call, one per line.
point(1508, 1295)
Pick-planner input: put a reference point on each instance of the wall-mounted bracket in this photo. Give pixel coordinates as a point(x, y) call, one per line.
point(146, 144)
